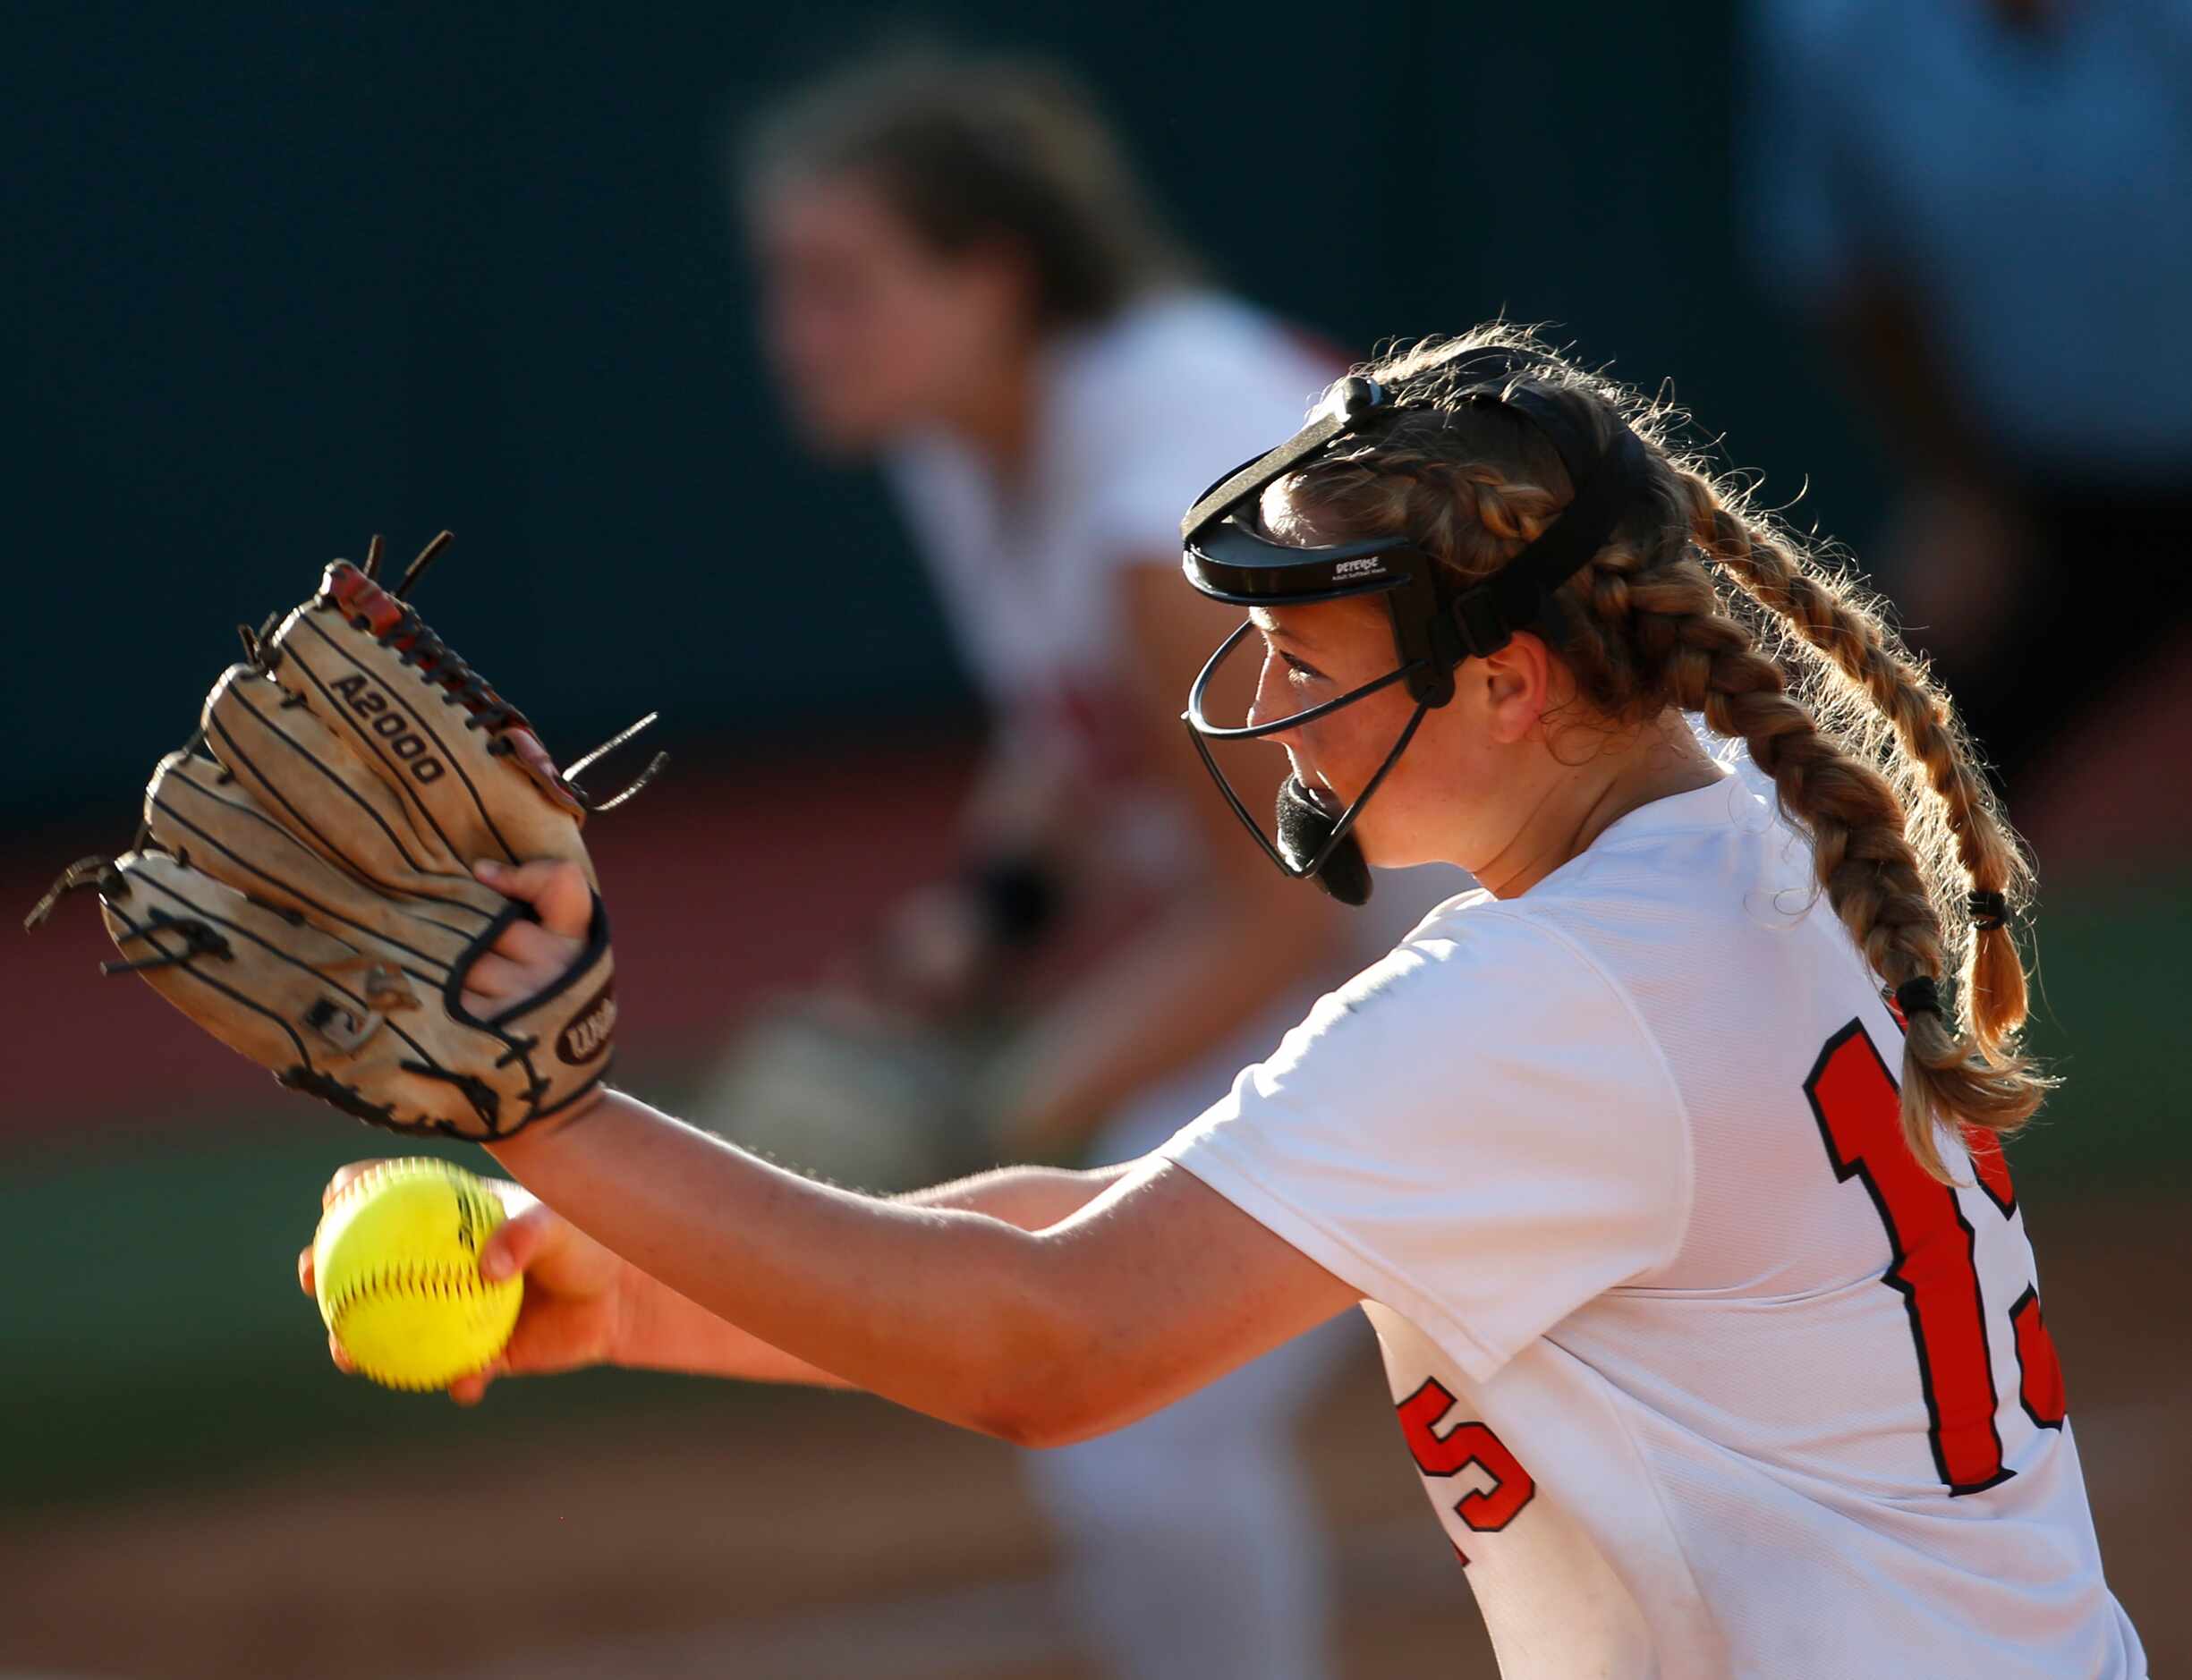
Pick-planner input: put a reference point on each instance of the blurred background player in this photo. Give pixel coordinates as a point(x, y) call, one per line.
point(962, 281)
point(1980, 204)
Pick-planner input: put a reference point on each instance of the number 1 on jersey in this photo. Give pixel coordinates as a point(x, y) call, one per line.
point(1859, 1111)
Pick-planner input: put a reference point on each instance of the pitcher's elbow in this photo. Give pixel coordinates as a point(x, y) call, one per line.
point(1060, 1368)
point(1041, 1423)
point(1058, 1393)
point(1045, 1405)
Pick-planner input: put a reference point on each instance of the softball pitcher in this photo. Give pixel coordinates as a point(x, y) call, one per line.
point(1667, 1165)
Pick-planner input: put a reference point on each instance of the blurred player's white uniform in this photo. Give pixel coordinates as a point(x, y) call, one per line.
point(1703, 1375)
point(1196, 1551)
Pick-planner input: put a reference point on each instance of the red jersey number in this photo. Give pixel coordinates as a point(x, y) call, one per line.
point(1487, 1510)
point(1856, 1101)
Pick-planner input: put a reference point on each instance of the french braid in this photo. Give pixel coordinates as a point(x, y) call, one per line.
point(1695, 603)
point(1826, 612)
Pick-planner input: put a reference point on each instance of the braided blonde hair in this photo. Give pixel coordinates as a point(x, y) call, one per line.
point(1698, 601)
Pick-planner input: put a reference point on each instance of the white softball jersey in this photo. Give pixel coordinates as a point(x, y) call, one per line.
point(1137, 416)
point(1703, 1374)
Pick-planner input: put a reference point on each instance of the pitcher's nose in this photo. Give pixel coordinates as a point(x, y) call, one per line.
point(1272, 700)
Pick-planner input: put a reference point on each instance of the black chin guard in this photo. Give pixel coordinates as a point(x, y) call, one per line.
point(1435, 626)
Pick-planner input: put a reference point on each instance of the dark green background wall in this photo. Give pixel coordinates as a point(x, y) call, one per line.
point(277, 276)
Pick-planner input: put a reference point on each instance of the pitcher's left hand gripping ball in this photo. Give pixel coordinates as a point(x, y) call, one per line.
point(305, 893)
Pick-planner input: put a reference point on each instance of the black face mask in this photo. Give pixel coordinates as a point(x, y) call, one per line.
point(1434, 626)
point(1305, 825)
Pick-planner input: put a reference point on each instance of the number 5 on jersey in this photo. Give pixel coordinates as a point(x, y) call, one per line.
point(1450, 1452)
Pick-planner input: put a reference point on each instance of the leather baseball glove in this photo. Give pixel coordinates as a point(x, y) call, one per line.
point(302, 884)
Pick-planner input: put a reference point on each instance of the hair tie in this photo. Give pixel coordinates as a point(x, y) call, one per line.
point(1918, 997)
point(1989, 911)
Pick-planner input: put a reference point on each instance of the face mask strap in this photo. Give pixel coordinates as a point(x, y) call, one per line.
point(1346, 824)
point(1347, 817)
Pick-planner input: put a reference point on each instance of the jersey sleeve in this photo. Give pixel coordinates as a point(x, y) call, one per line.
point(1477, 1133)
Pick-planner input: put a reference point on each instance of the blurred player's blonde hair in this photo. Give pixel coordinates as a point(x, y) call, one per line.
point(975, 148)
point(1702, 602)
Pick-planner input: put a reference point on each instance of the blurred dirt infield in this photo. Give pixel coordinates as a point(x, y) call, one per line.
point(802, 1535)
point(793, 1536)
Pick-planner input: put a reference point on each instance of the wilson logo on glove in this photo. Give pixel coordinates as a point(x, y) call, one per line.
point(588, 1036)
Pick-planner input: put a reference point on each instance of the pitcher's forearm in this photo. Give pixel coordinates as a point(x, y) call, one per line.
point(667, 1331)
point(950, 1311)
point(1032, 1197)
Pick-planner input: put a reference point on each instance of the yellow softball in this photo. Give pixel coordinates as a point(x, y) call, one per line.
point(395, 1266)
